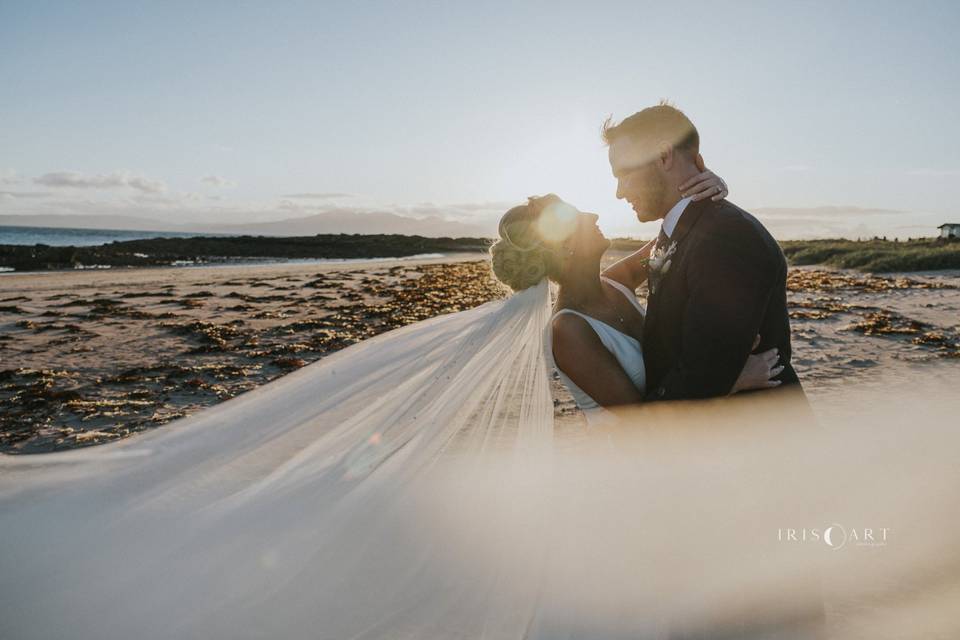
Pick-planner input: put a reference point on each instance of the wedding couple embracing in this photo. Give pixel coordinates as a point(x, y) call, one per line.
point(716, 319)
point(307, 507)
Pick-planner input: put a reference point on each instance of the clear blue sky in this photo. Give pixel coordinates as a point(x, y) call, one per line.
point(222, 110)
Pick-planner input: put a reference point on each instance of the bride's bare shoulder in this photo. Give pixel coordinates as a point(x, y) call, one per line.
point(571, 333)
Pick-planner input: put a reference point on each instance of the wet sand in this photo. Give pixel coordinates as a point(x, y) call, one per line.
point(853, 330)
point(92, 356)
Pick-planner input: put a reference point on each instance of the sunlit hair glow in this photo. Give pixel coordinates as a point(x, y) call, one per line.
point(530, 239)
point(663, 122)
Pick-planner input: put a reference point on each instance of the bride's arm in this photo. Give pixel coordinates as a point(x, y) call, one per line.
point(632, 270)
point(578, 352)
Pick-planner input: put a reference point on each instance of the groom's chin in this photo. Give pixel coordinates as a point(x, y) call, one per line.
point(643, 215)
point(646, 217)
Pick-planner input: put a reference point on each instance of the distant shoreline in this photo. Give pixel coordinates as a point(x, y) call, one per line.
point(876, 255)
point(207, 250)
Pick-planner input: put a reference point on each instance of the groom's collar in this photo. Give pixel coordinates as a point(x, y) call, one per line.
point(673, 216)
point(691, 214)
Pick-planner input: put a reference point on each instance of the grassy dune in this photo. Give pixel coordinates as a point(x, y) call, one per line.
point(875, 255)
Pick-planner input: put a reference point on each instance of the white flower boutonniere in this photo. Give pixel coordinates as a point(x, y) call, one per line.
point(659, 264)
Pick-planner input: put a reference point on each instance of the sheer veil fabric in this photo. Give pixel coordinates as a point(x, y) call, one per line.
point(283, 511)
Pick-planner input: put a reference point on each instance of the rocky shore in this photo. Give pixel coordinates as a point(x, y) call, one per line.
point(92, 356)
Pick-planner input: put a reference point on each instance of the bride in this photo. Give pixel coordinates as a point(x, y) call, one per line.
point(594, 337)
point(305, 507)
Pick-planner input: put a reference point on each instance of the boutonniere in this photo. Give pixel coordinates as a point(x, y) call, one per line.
point(659, 263)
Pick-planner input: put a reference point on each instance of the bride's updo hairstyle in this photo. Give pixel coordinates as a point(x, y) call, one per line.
point(525, 254)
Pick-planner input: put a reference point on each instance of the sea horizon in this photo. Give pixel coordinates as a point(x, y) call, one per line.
point(27, 235)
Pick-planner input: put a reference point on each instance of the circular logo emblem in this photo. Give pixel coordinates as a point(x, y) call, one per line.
point(835, 536)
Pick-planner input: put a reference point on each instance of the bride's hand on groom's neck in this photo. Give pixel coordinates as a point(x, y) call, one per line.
point(705, 184)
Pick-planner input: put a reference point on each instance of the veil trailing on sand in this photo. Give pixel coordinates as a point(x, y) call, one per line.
point(217, 511)
point(408, 487)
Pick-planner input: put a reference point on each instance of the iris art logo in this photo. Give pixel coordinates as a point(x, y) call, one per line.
point(836, 536)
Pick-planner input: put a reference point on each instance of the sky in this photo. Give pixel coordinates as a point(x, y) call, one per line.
point(832, 118)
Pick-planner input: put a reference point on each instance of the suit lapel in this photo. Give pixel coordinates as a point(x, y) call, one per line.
point(663, 307)
point(691, 215)
point(688, 220)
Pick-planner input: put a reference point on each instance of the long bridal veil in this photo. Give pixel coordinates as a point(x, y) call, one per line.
point(412, 486)
point(280, 511)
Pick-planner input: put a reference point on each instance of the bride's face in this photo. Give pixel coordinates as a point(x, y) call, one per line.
point(574, 232)
point(586, 242)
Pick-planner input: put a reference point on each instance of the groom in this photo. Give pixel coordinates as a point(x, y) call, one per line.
point(717, 277)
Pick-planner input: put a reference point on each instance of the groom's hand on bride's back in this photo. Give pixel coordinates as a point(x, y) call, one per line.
point(759, 371)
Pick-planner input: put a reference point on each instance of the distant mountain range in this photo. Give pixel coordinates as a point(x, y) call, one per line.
point(322, 223)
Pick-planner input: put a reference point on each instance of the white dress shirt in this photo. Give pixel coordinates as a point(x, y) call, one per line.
point(673, 216)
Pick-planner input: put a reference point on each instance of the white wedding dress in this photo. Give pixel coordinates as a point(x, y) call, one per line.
point(625, 348)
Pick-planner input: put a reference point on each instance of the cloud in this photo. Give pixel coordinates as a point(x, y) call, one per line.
point(798, 223)
point(147, 186)
point(935, 173)
point(189, 208)
point(795, 168)
point(317, 196)
point(479, 214)
point(9, 176)
point(829, 211)
point(24, 194)
point(474, 212)
point(77, 180)
point(218, 181)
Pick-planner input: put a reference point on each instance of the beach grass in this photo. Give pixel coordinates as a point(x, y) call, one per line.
point(876, 255)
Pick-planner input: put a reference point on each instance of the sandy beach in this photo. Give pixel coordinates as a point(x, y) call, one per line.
point(90, 356)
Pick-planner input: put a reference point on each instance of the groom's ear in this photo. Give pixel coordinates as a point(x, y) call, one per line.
point(701, 165)
point(666, 155)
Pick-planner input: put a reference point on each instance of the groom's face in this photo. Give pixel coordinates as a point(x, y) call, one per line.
point(640, 177)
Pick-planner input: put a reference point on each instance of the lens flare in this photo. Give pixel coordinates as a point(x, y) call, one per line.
point(557, 222)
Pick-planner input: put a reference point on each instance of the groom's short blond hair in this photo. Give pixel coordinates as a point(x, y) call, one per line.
point(664, 122)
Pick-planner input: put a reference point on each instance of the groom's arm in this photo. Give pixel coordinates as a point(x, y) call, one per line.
point(730, 286)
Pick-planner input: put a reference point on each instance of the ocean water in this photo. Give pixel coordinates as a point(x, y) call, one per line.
point(63, 237)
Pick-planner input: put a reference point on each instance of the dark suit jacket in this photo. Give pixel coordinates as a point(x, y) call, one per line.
point(726, 283)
